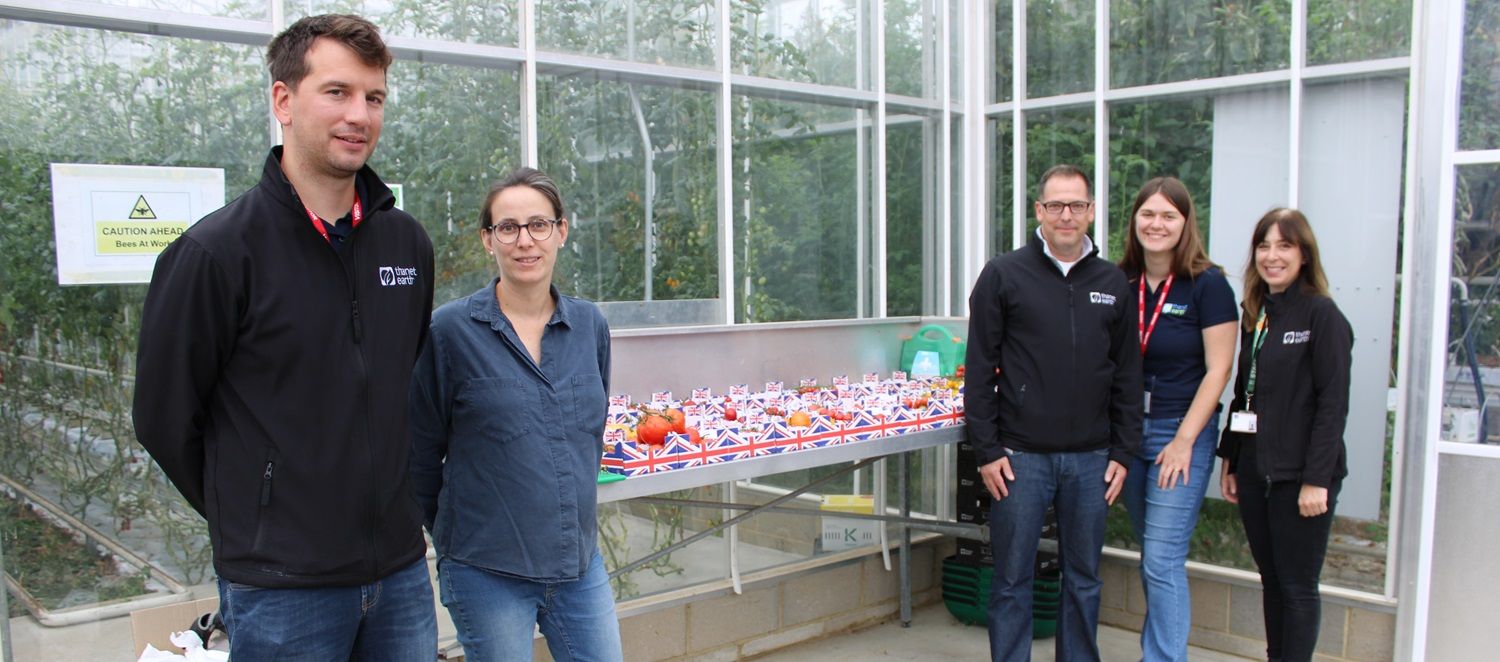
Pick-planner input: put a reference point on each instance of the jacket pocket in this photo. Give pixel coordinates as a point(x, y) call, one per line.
point(263, 505)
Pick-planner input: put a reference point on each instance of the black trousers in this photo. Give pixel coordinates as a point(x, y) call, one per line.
point(1289, 550)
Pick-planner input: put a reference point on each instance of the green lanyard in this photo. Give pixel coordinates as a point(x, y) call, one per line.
point(1262, 329)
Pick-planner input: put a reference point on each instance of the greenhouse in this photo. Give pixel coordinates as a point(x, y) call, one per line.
point(777, 196)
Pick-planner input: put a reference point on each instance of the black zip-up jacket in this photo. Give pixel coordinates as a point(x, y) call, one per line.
point(271, 384)
point(1068, 357)
point(1301, 392)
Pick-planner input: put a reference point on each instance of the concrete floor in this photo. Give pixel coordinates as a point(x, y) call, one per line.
point(935, 635)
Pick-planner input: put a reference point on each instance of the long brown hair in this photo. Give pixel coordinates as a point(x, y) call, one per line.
point(1188, 259)
point(1293, 227)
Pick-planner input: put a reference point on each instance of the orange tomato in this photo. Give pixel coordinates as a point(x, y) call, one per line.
point(799, 419)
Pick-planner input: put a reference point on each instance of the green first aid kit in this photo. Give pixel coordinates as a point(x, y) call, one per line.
point(933, 351)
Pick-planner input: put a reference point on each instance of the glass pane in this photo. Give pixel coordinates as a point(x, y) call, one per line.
point(450, 132)
point(801, 191)
point(1353, 30)
point(910, 37)
point(679, 32)
point(601, 140)
point(631, 530)
point(65, 428)
point(1053, 137)
point(1479, 93)
point(1159, 41)
point(1156, 138)
point(1002, 146)
point(229, 8)
point(1004, 55)
point(957, 228)
point(811, 41)
point(910, 192)
point(1059, 47)
point(470, 21)
point(1473, 326)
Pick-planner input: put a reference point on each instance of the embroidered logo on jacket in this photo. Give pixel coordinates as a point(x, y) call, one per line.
point(1296, 337)
point(1102, 297)
point(391, 276)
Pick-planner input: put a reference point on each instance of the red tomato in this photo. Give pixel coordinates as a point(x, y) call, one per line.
point(653, 429)
point(678, 420)
point(693, 436)
point(730, 414)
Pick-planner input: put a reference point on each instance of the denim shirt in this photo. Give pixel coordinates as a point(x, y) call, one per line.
point(505, 452)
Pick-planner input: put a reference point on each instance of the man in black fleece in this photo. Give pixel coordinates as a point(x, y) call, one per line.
point(1053, 406)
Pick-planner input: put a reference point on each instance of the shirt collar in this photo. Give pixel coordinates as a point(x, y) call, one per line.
point(483, 306)
point(1088, 248)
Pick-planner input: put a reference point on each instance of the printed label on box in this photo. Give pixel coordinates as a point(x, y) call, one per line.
point(661, 398)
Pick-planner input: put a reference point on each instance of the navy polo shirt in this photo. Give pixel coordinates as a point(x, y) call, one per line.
point(1174, 363)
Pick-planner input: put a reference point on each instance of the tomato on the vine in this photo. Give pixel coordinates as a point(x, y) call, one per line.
point(653, 429)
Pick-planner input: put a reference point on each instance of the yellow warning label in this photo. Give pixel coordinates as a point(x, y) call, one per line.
point(142, 211)
point(135, 238)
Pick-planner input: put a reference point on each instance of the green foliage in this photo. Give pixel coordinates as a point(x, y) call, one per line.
point(1351, 30)
point(1059, 47)
point(1158, 41)
point(1479, 92)
point(55, 567)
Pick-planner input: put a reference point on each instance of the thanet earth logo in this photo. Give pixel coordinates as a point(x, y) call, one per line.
point(1296, 337)
point(391, 276)
point(1176, 309)
point(1102, 298)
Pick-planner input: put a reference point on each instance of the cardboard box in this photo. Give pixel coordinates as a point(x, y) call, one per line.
point(155, 625)
point(841, 533)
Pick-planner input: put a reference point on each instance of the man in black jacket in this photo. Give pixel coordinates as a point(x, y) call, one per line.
point(272, 373)
point(1053, 406)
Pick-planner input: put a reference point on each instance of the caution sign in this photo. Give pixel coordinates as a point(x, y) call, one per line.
point(112, 221)
point(142, 210)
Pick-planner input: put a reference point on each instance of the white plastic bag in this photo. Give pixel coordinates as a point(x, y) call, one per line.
point(192, 649)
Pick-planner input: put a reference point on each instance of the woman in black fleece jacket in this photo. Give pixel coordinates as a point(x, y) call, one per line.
point(1284, 447)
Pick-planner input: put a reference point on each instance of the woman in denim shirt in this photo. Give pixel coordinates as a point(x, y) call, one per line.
point(1186, 314)
point(507, 408)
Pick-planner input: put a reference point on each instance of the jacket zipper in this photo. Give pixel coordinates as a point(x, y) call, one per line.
point(265, 483)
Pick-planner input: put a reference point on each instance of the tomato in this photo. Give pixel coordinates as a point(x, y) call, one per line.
point(799, 419)
point(693, 436)
point(959, 371)
point(677, 419)
point(653, 429)
point(730, 414)
point(806, 389)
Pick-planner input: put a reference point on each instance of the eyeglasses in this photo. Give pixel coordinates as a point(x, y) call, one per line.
point(539, 229)
point(1053, 208)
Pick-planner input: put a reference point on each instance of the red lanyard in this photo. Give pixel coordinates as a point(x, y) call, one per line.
point(1161, 300)
point(356, 212)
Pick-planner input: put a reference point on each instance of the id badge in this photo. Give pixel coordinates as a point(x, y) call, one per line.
point(1242, 421)
point(1147, 401)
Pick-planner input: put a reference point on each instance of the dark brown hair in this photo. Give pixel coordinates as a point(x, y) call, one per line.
point(1064, 170)
point(523, 176)
point(287, 54)
point(1188, 258)
point(1293, 227)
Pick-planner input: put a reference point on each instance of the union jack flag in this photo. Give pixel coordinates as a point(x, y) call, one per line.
point(726, 444)
point(864, 426)
point(774, 438)
point(678, 453)
point(629, 459)
point(824, 431)
point(901, 421)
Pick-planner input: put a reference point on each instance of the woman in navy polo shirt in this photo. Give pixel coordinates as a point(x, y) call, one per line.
point(1187, 315)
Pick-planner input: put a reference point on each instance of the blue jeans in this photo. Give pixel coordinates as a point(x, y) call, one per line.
point(1074, 484)
point(496, 614)
point(1164, 521)
point(391, 618)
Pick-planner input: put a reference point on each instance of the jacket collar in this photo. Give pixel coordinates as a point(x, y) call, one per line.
point(1038, 245)
point(485, 307)
point(373, 193)
point(1289, 297)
